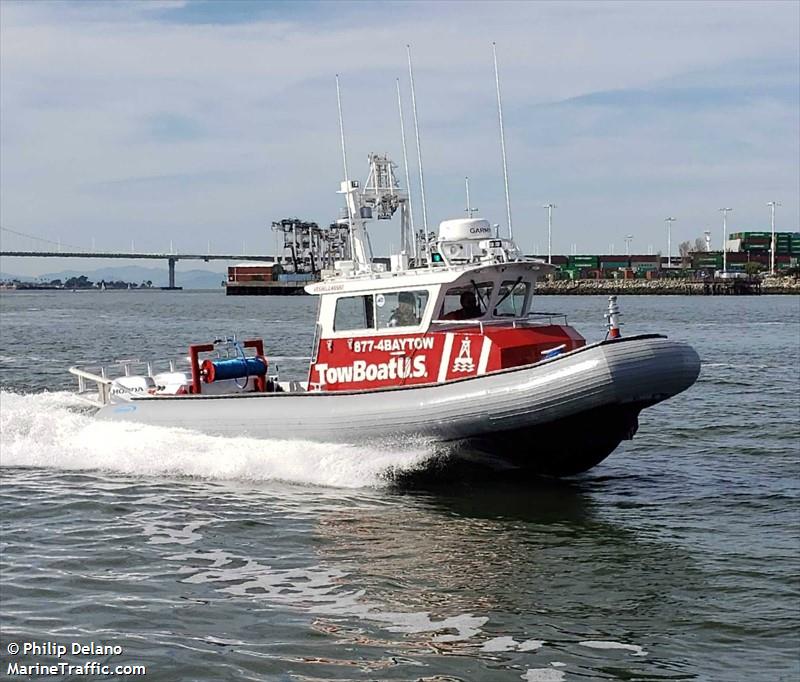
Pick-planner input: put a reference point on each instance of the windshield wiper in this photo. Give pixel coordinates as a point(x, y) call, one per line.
point(509, 292)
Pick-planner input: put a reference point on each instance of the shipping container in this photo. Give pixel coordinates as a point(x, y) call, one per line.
point(584, 261)
point(296, 277)
point(237, 273)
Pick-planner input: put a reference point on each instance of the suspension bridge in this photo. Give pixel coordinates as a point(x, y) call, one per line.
point(171, 257)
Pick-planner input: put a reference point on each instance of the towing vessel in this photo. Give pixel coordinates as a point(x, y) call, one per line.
point(444, 347)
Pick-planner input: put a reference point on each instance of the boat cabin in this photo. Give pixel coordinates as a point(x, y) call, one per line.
point(430, 325)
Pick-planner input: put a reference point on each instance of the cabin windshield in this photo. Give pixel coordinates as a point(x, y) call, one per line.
point(466, 302)
point(354, 312)
point(400, 308)
point(384, 310)
point(513, 299)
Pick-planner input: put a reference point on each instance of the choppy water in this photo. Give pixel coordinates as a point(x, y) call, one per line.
point(214, 559)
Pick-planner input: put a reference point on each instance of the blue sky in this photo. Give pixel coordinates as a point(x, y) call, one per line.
point(198, 122)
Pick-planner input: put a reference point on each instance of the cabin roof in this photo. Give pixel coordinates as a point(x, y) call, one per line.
point(421, 277)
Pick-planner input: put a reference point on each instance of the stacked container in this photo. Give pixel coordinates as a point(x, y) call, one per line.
point(786, 243)
point(583, 262)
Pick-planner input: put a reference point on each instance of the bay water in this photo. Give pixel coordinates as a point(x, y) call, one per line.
point(205, 558)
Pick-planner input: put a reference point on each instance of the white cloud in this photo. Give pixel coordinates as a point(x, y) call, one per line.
point(254, 134)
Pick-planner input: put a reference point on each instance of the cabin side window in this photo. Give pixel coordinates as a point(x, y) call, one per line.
point(466, 302)
point(400, 308)
point(354, 312)
point(512, 299)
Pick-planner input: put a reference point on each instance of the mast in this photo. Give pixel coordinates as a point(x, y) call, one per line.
point(359, 244)
point(502, 141)
point(408, 177)
point(419, 149)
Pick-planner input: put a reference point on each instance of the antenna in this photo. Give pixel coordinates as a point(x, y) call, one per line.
point(344, 163)
point(469, 209)
point(502, 140)
point(408, 177)
point(419, 150)
point(341, 129)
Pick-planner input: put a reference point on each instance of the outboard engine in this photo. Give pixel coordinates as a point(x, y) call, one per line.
point(136, 385)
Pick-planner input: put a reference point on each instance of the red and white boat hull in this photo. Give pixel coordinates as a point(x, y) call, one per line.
point(558, 416)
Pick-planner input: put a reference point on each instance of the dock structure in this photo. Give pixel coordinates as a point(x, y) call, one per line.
point(262, 279)
point(746, 286)
point(308, 249)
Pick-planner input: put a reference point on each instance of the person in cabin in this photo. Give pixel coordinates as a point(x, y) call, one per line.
point(403, 315)
point(469, 308)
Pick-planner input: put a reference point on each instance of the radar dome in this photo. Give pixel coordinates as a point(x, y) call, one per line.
point(464, 228)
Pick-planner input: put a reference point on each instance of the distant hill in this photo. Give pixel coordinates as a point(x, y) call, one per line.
point(22, 278)
point(188, 279)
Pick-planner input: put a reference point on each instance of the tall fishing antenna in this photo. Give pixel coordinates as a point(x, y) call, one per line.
point(344, 163)
point(408, 177)
point(419, 150)
point(341, 129)
point(502, 140)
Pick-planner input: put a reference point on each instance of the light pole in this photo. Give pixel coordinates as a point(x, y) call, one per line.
point(549, 208)
point(772, 205)
point(725, 238)
point(669, 222)
point(628, 241)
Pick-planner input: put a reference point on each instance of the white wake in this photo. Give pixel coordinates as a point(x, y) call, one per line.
point(52, 430)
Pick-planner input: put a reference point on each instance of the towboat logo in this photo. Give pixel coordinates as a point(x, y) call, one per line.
point(464, 362)
point(361, 370)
